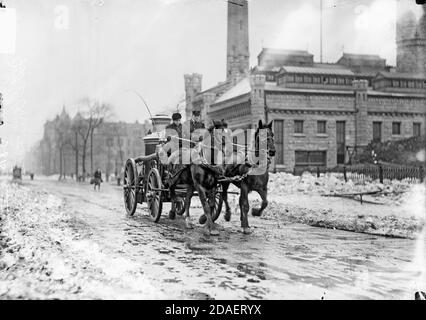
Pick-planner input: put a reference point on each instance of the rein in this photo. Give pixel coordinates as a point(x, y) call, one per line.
point(246, 148)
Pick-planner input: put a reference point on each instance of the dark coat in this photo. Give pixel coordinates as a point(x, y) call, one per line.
point(196, 125)
point(188, 129)
point(98, 174)
point(173, 126)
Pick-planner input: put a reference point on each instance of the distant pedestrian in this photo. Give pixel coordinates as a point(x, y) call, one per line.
point(97, 179)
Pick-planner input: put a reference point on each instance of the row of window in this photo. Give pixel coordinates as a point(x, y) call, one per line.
point(396, 129)
point(408, 84)
point(310, 158)
point(347, 81)
point(321, 126)
point(291, 78)
point(377, 127)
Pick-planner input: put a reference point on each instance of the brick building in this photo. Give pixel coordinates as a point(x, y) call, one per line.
point(323, 112)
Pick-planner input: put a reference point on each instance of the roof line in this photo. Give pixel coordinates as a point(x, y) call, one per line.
point(230, 100)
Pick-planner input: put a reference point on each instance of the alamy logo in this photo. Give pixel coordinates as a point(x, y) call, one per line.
point(220, 147)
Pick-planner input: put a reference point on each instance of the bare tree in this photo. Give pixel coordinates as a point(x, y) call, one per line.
point(93, 118)
point(83, 130)
point(119, 143)
point(62, 128)
point(73, 139)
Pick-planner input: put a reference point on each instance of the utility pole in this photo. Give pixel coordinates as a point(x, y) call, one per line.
point(321, 13)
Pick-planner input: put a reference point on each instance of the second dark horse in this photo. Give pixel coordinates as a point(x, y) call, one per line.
point(204, 180)
point(257, 182)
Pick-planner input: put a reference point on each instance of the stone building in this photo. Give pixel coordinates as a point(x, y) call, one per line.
point(323, 112)
point(113, 144)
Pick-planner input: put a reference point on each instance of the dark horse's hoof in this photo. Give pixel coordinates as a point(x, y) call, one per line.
point(180, 207)
point(245, 230)
point(202, 219)
point(256, 212)
point(172, 215)
point(228, 216)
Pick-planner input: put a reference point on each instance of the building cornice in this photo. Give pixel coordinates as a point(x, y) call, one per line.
point(311, 92)
point(396, 114)
point(312, 111)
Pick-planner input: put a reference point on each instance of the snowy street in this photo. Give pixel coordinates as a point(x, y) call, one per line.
point(64, 240)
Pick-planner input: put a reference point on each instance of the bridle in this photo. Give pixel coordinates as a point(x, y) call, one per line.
point(268, 140)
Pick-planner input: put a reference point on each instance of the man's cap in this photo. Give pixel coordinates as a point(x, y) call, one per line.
point(196, 112)
point(176, 116)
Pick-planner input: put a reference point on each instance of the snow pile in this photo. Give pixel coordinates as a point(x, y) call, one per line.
point(43, 257)
point(333, 183)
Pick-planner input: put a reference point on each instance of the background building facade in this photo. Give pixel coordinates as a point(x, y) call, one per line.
point(324, 112)
point(112, 144)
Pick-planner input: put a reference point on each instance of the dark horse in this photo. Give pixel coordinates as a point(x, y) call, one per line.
point(202, 178)
point(257, 182)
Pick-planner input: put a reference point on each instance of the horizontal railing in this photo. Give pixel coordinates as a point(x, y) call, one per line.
point(371, 172)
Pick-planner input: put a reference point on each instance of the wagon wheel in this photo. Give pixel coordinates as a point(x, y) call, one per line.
point(153, 194)
point(130, 186)
point(218, 202)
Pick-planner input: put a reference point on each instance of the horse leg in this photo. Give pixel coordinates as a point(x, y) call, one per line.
point(263, 194)
point(203, 218)
point(228, 212)
point(244, 207)
point(212, 198)
point(206, 206)
point(172, 212)
point(187, 205)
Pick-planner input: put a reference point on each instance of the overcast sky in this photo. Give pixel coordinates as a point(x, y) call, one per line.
point(68, 49)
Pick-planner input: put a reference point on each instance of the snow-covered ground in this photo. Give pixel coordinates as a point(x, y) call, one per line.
point(41, 257)
point(398, 211)
point(308, 183)
point(62, 240)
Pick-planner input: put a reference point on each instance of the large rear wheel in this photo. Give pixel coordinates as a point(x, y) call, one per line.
point(130, 186)
point(154, 194)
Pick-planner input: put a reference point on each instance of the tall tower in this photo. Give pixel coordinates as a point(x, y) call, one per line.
point(237, 63)
point(193, 85)
point(411, 37)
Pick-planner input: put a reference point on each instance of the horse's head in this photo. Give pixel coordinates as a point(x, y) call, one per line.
point(270, 144)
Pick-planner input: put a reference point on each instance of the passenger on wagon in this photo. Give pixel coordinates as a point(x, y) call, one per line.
point(173, 136)
point(175, 125)
point(192, 130)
